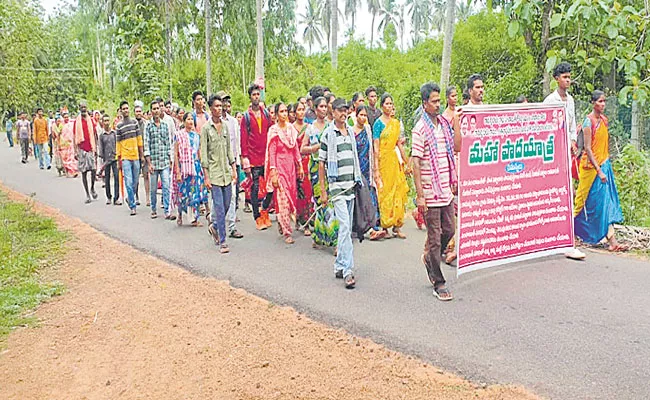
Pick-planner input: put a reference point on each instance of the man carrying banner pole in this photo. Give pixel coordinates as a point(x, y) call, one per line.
point(434, 172)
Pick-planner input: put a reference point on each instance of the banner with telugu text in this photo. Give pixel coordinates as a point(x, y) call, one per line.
point(515, 199)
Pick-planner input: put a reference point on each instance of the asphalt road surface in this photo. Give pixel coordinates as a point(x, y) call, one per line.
point(563, 329)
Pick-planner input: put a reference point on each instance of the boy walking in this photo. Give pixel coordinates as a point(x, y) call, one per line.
point(107, 154)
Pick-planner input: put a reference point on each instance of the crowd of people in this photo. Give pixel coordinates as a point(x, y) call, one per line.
point(329, 168)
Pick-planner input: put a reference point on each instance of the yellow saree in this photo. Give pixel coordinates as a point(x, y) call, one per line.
point(394, 192)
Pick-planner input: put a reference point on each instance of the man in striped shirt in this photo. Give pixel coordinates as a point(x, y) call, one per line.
point(338, 164)
point(434, 172)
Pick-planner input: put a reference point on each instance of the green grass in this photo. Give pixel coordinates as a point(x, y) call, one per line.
point(28, 243)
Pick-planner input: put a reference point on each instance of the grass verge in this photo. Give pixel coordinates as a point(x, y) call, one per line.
point(28, 243)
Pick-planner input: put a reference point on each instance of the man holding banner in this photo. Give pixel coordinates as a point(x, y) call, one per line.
point(434, 172)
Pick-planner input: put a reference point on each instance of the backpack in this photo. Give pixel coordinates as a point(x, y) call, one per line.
point(247, 119)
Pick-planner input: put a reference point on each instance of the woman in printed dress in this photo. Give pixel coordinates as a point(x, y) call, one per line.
point(188, 188)
point(326, 227)
point(304, 202)
point(284, 169)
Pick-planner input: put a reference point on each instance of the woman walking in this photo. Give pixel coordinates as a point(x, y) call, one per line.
point(65, 145)
point(304, 203)
point(389, 172)
point(282, 163)
point(597, 206)
point(326, 226)
point(188, 189)
point(363, 137)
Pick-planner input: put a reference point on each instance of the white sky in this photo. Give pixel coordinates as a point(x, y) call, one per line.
point(363, 21)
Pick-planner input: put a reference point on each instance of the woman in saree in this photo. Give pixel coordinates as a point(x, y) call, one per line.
point(363, 137)
point(304, 203)
point(284, 169)
point(390, 175)
point(597, 206)
point(188, 187)
point(65, 147)
point(57, 128)
point(326, 226)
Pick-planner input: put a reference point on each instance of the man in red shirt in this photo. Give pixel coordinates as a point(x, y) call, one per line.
point(85, 139)
point(254, 130)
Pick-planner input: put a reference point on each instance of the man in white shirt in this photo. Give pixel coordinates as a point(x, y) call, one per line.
point(562, 75)
point(234, 131)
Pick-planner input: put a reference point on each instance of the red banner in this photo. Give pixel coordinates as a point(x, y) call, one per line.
point(515, 197)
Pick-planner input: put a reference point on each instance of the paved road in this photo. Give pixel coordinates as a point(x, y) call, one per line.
point(563, 329)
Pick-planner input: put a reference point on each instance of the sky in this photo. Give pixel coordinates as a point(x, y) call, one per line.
point(362, 31)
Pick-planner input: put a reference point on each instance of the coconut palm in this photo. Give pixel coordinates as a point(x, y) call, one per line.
point(374, 6)
point(351, 7)
point(389, 14)
point(312, 20)
point(420, 14)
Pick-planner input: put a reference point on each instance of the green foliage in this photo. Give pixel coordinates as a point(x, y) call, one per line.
point(632, 169)
point(28, 242)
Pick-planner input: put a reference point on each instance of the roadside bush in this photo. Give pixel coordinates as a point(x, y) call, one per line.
point(632, 170)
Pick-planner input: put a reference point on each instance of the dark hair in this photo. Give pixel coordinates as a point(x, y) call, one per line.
point(561, 68)
point(360, 108)
point(370, 90)
point(473, 78)
point(158, 99)
point(168, 103)
point(596, 95)
point(466, 94)
point(328, 97)
point(385, 97)
point(186, 116)
point(316, 92)
point(277, 107)
point(123, 102)
point(152, 103)
point(356, 96)
point(327, 89)
point(449, 91)
point(251, 88)
point(425, 91)
point(291, 108)
point(39, 109)
point(195, 94)
point(239, 113)
point(214, 98)
point(301, 97)
point(521, 99)
point(298, 104)
point(319, 100)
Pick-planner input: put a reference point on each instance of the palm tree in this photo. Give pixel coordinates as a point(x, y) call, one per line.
point(312, 21)
point(438, 10)
point(446, 48)
point(373, 7)
point(351, 7)
point(335, 32)
point(420, 14)
point(388, 14)
point(208, 46)
point(259, 57)
point(463, 11)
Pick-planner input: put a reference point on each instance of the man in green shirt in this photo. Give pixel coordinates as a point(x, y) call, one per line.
point(218, 162)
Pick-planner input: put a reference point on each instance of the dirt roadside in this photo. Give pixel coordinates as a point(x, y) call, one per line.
point(132, 326)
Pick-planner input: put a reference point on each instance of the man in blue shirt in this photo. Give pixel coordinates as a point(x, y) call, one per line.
point(10, 132)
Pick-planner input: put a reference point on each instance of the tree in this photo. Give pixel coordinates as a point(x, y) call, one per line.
point(208, 51)
point(446, 49)
point(311, 19)
point(389, 15)
point(420, 14)
point(351, 7)
point(259, 58)
point(373, 7)
point(334, 32)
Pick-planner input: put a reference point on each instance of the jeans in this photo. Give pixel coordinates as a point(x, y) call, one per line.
point(256, 174)
point(24, 148)
point(164, 183)
point(10, 138)
point(112, 167)
point(43, 156)
point(343, 210)
point(221, 197)
point(131, 173)
point(231, 217)
point(440, 229)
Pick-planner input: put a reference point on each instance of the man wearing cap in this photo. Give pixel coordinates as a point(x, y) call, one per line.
point(339, 167)
point(85, 139)
point(233, 129)
point(40, 138)
point(144, 167)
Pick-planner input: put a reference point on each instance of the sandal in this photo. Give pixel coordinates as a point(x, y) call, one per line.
point(223, 249)
point(398, 234)
point(451, 256)
point(154, 215)
point(179, 221)
point(307, 232)
point(377, 235)
point(349, 281)
point(619, 248)
point(289, 240)
point(443, 294)
point(196, 223)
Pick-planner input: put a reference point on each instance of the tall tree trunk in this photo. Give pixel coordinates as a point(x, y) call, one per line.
point(168, 47)
point(208, 47)
point(372, 29)
point(100, 64)
point(635, 138)
point(545, 43)
point(334, 33)
point(259, 56)
point(446, 49)
point(489, 4)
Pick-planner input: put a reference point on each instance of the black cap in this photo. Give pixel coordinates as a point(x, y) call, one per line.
point(339, 104)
